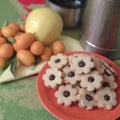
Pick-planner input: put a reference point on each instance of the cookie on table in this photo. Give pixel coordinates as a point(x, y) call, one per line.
point(109, 81)
point(70, 76)
point(86, 99)
point(82, 64)
point(106, 98)
point(66, 95)
point(52, 78)
point(91, 81)
point(58, 61)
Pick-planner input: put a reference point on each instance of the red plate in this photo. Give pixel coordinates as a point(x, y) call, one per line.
point(74, 112)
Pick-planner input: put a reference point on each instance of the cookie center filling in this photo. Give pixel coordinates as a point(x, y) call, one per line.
point(81, 63)
point(57, 60)
point(76, 56)
point(93, 69)
point(51, 77)
point(91, 79)
point(107, 97)
point(89, 97)
point(66, 93)
point(106, 84)
point(71, 74)
point(79, 86)
point(94, 91)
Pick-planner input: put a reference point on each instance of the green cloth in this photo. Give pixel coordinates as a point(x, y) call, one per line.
point(18, 99)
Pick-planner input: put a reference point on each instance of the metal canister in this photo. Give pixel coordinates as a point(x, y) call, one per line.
point(101, 27)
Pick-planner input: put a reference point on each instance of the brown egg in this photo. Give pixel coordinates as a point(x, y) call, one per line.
point(25, 57)
point(15, 26)
point(18, 34)
point(47, 54)
point(2, 62)
point(24, 40)
point(16, 48)
point(58, 47)
point(2, 40)
point(37, 48)
point(6, 50)
point(8, 32)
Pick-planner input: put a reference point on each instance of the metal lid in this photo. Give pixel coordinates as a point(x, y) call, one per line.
point(113, 1)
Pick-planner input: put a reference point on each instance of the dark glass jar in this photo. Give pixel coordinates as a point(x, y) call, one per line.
point(69, 3)
point(70, 10)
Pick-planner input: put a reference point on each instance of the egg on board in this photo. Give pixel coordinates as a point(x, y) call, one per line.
point(6, 50)
point(25, 57)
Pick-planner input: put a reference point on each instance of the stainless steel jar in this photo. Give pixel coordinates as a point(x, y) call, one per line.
point(101, 27)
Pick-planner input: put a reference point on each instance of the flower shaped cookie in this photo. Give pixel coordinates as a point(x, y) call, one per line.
point(58, 61)
point(91, 81)
point(106, 98)
point(66, 95)
point(86, 99)
point(70, 76)
point(82, 64)
point(52, 78)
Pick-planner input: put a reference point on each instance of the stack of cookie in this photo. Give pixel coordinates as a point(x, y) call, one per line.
point(83, 79)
